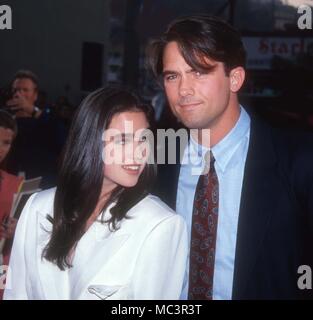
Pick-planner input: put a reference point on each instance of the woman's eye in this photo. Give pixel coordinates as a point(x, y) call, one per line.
point(123, 141)
point(119, 141)
point(143, 139)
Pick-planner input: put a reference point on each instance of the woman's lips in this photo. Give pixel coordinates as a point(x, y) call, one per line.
point(131, 169)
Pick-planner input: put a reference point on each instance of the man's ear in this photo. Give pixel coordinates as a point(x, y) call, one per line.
point(237, 78)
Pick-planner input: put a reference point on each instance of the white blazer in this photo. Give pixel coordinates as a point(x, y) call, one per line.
point(144, 259)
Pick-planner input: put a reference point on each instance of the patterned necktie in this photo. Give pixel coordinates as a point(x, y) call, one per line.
point(203, 235)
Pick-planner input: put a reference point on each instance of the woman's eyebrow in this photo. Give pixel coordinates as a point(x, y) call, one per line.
point(122, 136)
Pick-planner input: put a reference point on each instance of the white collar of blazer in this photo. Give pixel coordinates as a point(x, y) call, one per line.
point(102, 247)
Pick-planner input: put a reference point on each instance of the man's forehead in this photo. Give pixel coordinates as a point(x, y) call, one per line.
point(199, 58)
point(21, 82)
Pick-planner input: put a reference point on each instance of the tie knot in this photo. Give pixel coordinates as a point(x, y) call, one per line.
point(208, 161)
point(209, 158)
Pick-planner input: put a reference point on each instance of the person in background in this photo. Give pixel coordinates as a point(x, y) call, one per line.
point(24, 95)
point(100, 234)
point(9, 184)
point(36, 149)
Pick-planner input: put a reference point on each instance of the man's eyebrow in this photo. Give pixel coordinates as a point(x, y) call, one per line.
point(207, 68)
point(168, 72)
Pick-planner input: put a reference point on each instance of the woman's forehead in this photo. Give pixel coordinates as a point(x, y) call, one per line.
point(129, 121)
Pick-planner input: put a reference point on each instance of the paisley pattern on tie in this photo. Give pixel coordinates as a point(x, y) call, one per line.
point(203, 236)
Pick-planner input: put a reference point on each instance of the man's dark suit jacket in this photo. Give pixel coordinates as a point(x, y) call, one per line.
point(275, 227)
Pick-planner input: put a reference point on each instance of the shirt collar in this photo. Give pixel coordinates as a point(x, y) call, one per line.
point(225, 149)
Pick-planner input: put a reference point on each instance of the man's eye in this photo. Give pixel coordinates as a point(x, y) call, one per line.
point(170, 77)
point(198, 74)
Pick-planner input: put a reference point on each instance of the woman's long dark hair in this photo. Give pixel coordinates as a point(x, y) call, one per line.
point(81, 173)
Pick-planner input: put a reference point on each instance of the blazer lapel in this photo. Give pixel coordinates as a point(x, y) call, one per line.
point(257, 202)
point(97, 249)
point(95, 252)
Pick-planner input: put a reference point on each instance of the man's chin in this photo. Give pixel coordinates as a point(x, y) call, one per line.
point(193, 123)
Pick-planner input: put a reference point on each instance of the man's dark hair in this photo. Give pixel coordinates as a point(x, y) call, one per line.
point(199, 37)
point(26, 74)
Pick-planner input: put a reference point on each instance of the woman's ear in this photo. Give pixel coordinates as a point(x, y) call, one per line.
point(237, 78)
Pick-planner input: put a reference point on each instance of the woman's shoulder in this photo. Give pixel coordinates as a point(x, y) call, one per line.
point(153, 208)
point(43, 199)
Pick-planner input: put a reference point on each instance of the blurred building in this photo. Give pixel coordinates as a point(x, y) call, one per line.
point(64, 42)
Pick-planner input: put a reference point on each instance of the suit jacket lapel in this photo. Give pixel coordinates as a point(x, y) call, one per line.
point(168, 173)
point(257, 201)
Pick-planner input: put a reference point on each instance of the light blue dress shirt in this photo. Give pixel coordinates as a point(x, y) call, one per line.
point(230, 156)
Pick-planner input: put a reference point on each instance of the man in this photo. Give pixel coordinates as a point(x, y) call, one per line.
point(24, 95)
point(256, 199)
point(35, 151)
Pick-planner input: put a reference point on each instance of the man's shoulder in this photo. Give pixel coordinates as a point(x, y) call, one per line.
point(290, 149)
point(295, 143)
point(285, 140)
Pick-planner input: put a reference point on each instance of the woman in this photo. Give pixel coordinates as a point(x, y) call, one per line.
point(9, 184)
point(105, 236)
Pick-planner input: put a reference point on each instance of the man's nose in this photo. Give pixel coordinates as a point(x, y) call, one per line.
point(185, 87)
point(17, 93)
